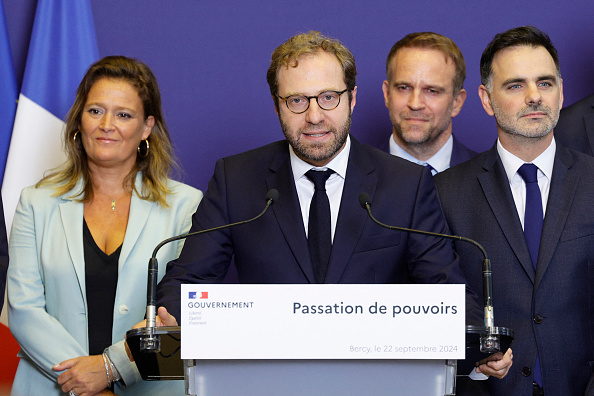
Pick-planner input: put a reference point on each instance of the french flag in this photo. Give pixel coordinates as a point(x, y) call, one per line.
point(8, 98)
point(63, 46)
point(8, 91)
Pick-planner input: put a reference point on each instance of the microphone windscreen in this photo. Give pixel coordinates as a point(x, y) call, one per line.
point(272, 195)
point(364, 200)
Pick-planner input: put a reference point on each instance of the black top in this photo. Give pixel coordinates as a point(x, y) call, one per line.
point(101, 279)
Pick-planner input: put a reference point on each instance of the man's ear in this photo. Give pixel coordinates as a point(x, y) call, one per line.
point(386, 89)
point(485, 99)
point(459, 100)
point(353, 98)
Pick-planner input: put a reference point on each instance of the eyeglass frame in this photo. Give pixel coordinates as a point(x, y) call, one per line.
point(309, 98)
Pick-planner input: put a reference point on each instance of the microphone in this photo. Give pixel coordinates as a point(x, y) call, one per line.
point(490, 336)
point(151, 342)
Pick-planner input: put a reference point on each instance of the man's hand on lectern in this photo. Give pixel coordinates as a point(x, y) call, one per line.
point(496, 365)
point(163, 319)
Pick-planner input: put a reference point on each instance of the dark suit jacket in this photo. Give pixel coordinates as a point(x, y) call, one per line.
point(575, 128)
point(3, 255)
point(460, 153)
point(551, 310)
point(274, 248)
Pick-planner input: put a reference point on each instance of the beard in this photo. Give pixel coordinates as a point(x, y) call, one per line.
point(317, 152)
point(418, 136)
point(514, 124)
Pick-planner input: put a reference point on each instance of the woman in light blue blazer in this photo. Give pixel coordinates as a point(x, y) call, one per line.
point(81, 239)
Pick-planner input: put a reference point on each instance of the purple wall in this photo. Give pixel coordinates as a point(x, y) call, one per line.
point(211, 58)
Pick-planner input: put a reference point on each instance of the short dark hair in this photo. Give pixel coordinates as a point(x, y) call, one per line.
point(433, 41)
point(523, 35)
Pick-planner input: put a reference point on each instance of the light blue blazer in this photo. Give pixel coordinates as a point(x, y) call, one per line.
point(47, 307)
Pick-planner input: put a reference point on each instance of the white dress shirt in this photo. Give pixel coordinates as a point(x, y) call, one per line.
point(334, 184)
point(439, 162)
point(544, 162)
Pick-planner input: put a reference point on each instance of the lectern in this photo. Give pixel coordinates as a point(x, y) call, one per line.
point(319, 376)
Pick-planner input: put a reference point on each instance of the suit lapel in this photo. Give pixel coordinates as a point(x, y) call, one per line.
point(140, 211)
point(351, 217)
point(71, 214)
point(563, 185)
point(498, 194)
point(288, 211)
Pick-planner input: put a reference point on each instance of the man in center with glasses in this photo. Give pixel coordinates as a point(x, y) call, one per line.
point(316, 231)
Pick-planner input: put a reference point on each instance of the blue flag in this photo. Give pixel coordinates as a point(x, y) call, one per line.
point(63, 46)
point(8, 92)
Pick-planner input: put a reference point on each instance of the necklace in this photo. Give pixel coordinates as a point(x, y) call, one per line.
point(113, 201)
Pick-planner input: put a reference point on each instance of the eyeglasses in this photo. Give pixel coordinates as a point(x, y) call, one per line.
point(328, 100)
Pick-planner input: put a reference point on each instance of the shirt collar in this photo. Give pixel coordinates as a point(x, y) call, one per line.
point(511, 163)
point(338, 163)
point(440, 160)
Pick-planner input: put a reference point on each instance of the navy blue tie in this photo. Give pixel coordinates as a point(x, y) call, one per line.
point(319, 236)
point(533, 220)
point(533, 217)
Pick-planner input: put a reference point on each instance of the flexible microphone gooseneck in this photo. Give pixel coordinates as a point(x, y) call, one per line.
point(490, 335)
point(151, 342)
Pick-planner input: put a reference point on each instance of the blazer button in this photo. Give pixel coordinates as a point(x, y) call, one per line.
point(123, 309)
point(526, 371)
point(538, 318)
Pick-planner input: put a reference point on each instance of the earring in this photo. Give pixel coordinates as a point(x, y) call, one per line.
point(145, 150)
point(75, 135)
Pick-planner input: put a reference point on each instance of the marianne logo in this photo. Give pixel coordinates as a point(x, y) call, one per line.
point(192, 295)
point(204, 295)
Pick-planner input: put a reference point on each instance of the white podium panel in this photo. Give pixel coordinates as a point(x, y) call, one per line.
point(323, 322)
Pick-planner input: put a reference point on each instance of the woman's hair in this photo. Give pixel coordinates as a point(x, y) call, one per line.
point(156, 167)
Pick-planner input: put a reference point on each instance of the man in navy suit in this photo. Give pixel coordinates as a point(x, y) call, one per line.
point(575, 128)
point(538, 230)
point(312, 82)
point(423, 92)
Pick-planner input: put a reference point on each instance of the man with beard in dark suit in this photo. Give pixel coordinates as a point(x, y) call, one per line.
point(424, 90)
point(316, 231)
point(528, 201)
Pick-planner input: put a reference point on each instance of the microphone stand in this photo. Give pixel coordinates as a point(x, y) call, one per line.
point(150, 342)
point(491, 339)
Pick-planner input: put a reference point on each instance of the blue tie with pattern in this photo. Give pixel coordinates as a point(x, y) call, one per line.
point(432, 169)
